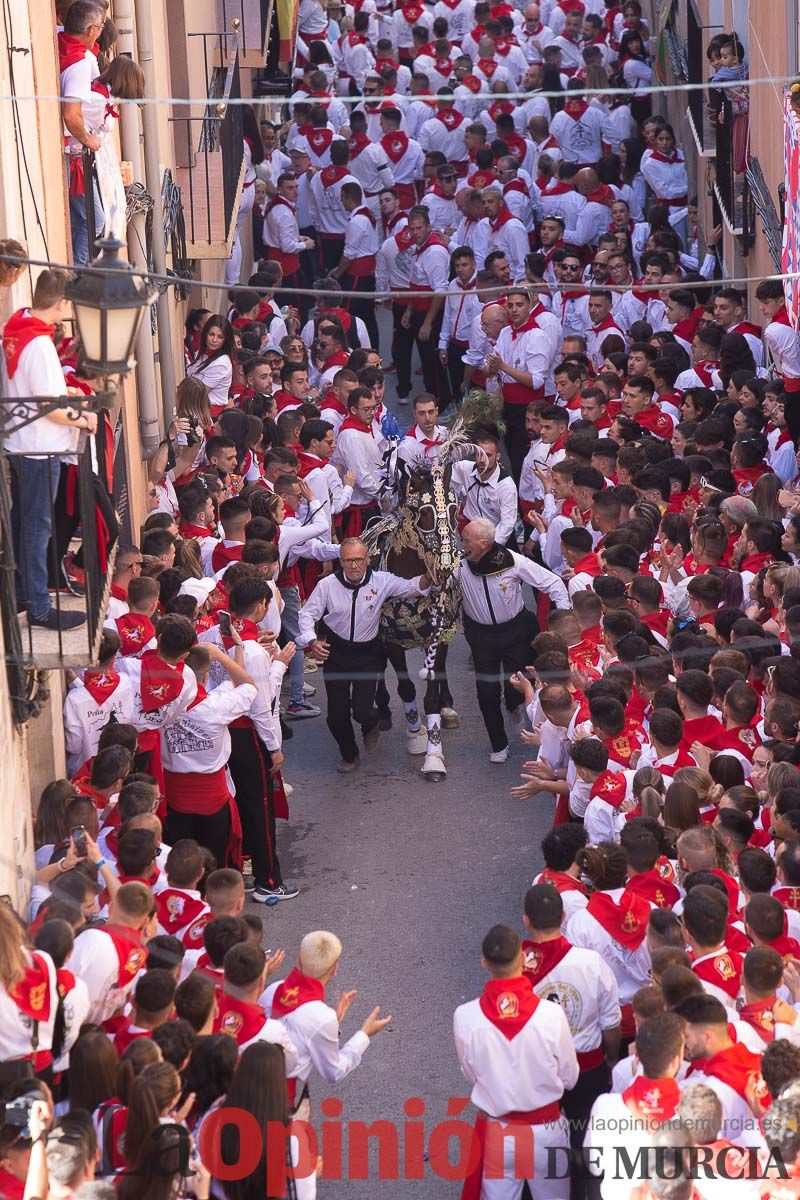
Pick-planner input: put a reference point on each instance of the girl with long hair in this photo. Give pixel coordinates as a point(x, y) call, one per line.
point(28, 1000)
point(213, 363)
point(614, 923)
point(50, 828)
point(630, 151)
point(253, 157)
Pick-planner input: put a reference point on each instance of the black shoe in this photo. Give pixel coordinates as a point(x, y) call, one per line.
point(385, 722)
point(286, 730)
point(54, 620)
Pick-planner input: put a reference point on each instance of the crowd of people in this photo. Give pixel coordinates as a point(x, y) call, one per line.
point(629, 583)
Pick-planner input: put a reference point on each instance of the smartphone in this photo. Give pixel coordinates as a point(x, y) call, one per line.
point(78, 839)
point(224, 622)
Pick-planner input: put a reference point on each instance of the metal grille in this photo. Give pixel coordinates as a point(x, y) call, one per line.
point(765, 207)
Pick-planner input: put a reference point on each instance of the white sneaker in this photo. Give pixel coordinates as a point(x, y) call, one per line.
point(499, 756)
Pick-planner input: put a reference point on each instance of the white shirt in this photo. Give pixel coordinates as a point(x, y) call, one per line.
point(353, 614)
point(314, 1030)
point(585, 988)
point(16, 1028)
point(494, 499)
point(262, 707)
point(461, 305)
point(199, 742)
point(170, 711)
point(430, 267)
point(511, 238)
point(330, 215)
point(85, 719)
point(372, 169)
point(96, 961)
point(528, 351)
point(581, 140)
point(474, 234)
point(76, 84)
point(412, 448)
point(39, 373)
point(528, 1071)
point(361, 239)
point(442, 211)
point(217, 375)
point(784, 346)
point(361, 452)
point(393, 266)
point(496, 599)
point(631, 967)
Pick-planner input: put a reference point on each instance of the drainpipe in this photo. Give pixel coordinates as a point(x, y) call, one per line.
point(152, 173)
point(132, 153)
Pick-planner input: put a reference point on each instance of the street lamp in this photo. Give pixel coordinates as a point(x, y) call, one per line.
point(109, 304)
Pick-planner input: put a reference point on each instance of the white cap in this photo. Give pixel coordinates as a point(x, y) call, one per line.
point(198, 589)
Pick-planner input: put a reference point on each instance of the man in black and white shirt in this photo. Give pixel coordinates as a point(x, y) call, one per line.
point(487, 491)
point(497, 624)
point(348, 607)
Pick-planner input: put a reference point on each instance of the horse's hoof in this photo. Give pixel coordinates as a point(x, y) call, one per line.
point(433, 769)
point(450, 719)
point(434, 776)
point(416, 741)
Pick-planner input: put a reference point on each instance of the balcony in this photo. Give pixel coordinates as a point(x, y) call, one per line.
point(254, 18)
point(730, 184)
point(31, 648)
point(209, 152)
point(697, 66)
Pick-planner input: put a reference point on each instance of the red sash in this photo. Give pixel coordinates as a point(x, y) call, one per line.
point(160, 682)
point(509, 1004)
point(100, 684)
point(19, 331)
point(626, 922)
point(540, 958)
point(135, 631)
point(296, 990)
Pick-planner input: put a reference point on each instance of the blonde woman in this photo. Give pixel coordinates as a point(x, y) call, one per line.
point(28, 1000)
point(708, 793)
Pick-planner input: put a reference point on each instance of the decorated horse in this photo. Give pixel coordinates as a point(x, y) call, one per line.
point(421, 537)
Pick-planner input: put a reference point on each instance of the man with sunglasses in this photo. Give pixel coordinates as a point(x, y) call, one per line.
point(339, 626)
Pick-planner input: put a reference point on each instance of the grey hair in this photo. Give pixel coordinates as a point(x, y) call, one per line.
point(700, 1109)
point(484, 527)
point(739, 510)
point(83, 14)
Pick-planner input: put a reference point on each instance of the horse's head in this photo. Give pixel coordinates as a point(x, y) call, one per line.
point(432, 510)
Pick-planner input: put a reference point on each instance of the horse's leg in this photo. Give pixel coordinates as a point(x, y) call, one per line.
point(415, 734)
point(449, 715)
point(433, 769)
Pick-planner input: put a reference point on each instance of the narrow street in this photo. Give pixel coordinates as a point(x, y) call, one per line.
point(410, 875)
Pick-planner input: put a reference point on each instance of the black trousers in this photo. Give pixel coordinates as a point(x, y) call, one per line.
point(249, 764)
point(210, 831)
point(330, 250)
point(402, 350)
point(577, 1105)
point(66, 524)
point(351, 676)
point(497, 652)
point(309, 269)
point(365, 309)
point(455, 367)
point(516, 439)
point(433, 374)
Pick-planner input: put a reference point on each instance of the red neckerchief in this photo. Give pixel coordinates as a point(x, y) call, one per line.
point(611, 787)
point(761, 1017)
point(331, 175)
point(395, 144)
point(657, 422)
point(788, 896)
point(161, 683)
point(32, 994)
point(561, 881)
point(786, 946)
point(704, 369)
point(652, 887)
point(450, 118)
point(416, 433)
point(390, 62)
point(193, 934)
point(356, 39)
point(743, 738)
point(189, 531)
point(754, 562)
point(102, 90)
point(353, 422)
point(100, 684)
point(525, 327)
point(319, 140)
point(540, 958)
point(509, 1004)
point(624, 745)
point(503, 217)
point(724, 971)
point(202, 695)
point(135, 631)
point(296, 990)
point(306, 463)
point(70, 51)
point(247, 630)
point(602, 194)
point(176, 909)
point(487, 65)
point(357, 142)
point(626, 922)
point(239, 1019)
point(781, 317)
point(339, 358)
point(575, 109)
point(412, 12)
point(652, 1099)
point(366, 212)
point(736, 1066)
point(674, 157)
point(584, 656)
point(131, 955)
point(118, 592)
point(657, 621)
point(746, 477)
point(278, 200)
point(499, 106)
point(588, 565)
point(472, 82)
point(223, 555)
point(329, 401)
point(19, 331)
